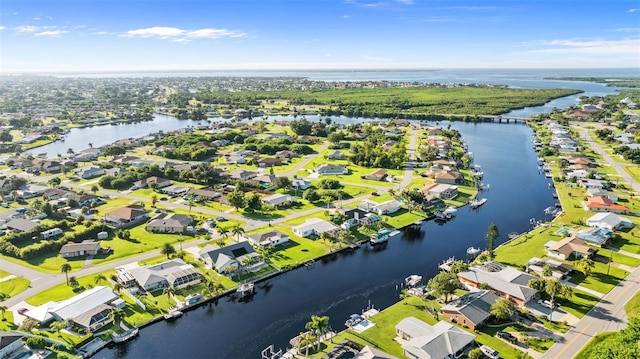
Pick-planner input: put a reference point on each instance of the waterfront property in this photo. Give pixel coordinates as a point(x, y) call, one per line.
point(441, 190)
point(440, 341)
point(89, 309)
point(315, 227)
point(264, 239)
point(569, 247)
point(559, 269)
point(231, 257)
point(173, 273)
point(504, 281)
point(610, 221)
point(470, 310)
point(9, 343)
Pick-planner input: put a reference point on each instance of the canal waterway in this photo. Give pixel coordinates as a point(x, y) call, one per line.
point(351, 282)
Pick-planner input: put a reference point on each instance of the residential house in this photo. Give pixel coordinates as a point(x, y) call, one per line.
point(506, 282)
point(377, 175)
point(595, 236)
point(265, 239)
point(173, 273)
point(302, 184)
point(54, 193)
point(21, 225)
point(387, 207)
point(82, 199)
point(231, 257)
point(610, 221)
point(89, 172)
point(372, 353)
point(170, 223)
point(47, 166)
point(315, 227)
point(592, 183)
point(356, 217)
point(444, 165)
point(448, 177)
point(286, 155)
point(10, 342)
point(602, 204)
point(144, 183)
point(265, 180)
point(234, 159)
point(559, 270)
point(85, 248)
point(31, 190)
point(331, 169)
point(337, 155)
point(205, 193)
point(242, 175)
point(470, 310)
point(440, 190)
point(440, 341)
point(278, 200)
point(115, 171)
point(89, 309)
point(269, 162)
point(175, 190)
point(126, 216)
point(569, 247)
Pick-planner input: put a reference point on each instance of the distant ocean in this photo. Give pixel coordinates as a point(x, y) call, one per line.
point(523, 78)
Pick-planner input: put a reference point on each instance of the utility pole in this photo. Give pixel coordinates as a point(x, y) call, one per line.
point(609, 263)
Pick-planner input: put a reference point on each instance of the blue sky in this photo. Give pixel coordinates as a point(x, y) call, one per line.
point(69, 35)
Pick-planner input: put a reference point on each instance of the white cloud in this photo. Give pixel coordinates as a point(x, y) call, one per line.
point(625, 46)
point(406, 2)
point(346, 16)
point(374, 58)
point(2, 28)
point(26, 28)
point(633, 10)
point(181, 35)
point(51, 33)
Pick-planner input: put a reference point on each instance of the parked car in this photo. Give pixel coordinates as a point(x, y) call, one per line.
point(489, 352)
point(507, 336)
point(221, 219)
point(545, 303)
point(164, 198)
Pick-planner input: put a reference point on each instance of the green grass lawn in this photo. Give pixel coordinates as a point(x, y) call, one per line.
point(63, 291)
point(632, 308)
point(402, 218)
point(13, 286)
point(50, 263)
point(598, 280)
point(585, 353)
point(579, 304)
point(4, 273)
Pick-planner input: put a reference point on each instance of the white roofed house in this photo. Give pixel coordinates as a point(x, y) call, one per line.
point(89, 171)
point(315, 227)
point(174, 273)
point(506, 282)
point(331, 169)
point(610, 221)
point(89, 309)
point(87, 247)
point(279, 200)
point(440, 341)
point(264, 239)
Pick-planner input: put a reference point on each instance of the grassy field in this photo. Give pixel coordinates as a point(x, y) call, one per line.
point(13, 286)
point(63, 291)
point(632, 308)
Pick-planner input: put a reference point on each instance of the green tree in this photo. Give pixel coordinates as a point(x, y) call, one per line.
point(117, 315)
point(237, 230)
point(55, 181)
point(154, 200)
point(553, 288)
point(66, 268)
point(94, 188)
point(73, 282)
point(236, 199)
point(547, 271)
point(502, 309)
point(99, 278)
point(170, 292)
point(444, 283)
point(5, 136)
point(459, 267)
point(584, 265)
point(223, 232)
point(3, 309)
point(320, 326)
point(475, 353)
point(491, 235)
point(168, 250)
point(307, 339)
point(57, 326)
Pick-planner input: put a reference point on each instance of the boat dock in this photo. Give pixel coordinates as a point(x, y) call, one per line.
point(446, 265)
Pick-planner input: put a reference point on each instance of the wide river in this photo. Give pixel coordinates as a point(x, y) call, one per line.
point(350, 282)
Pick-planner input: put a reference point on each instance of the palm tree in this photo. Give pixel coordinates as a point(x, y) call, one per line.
point(99, 278)
point(3, 308)
point(117, 287)
point(584, 265)
point(320, 326)
point(169, 291)
point(223, 231)
point(117, 315)
point(547, 271)
point(459, 266)
point(168, 250)
point(237, 230)
point(190, 203)
point(154, 200)
point(553, 288)
point(94, 189)
point(66, 268)
point(307, 339)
